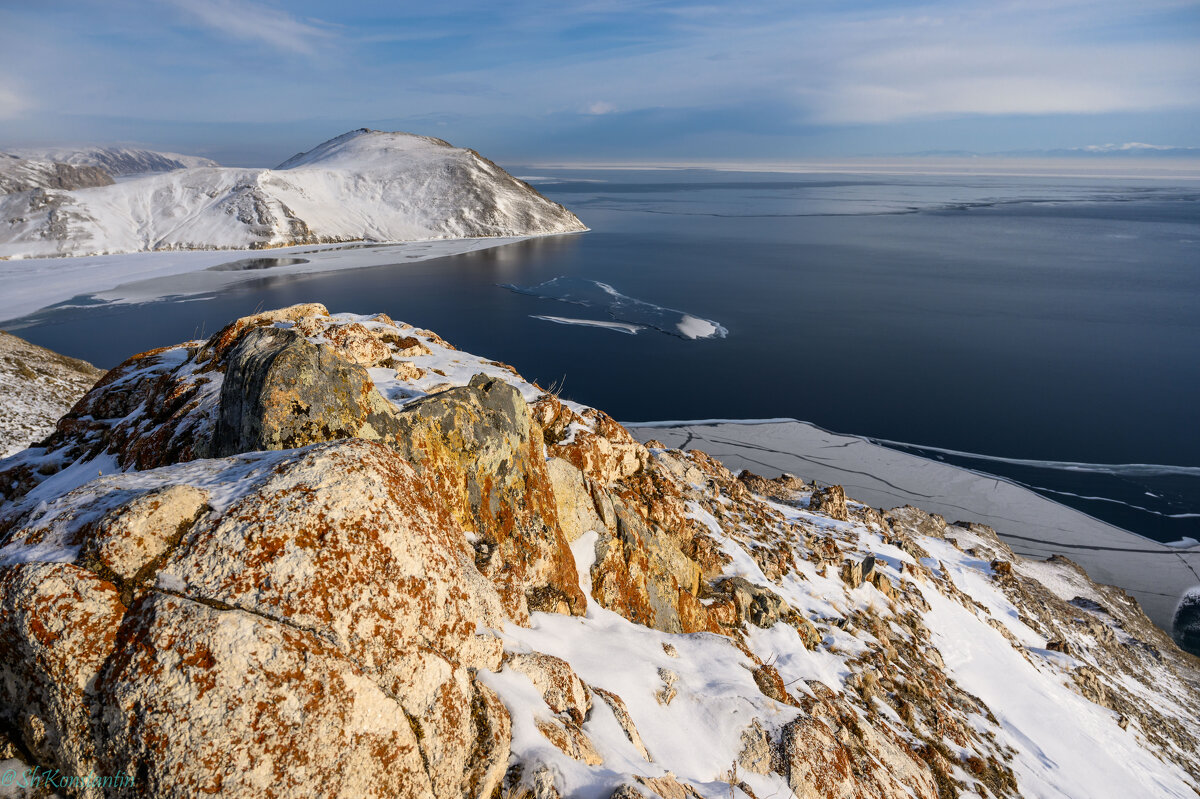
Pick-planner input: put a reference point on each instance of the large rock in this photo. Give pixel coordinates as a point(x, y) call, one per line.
point(58, 627)
point(332, 610)
point(478, 442)
point(201, 700)
point(282, 391)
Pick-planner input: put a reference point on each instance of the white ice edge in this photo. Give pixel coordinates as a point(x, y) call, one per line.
point(32, 284)
point(619, 327)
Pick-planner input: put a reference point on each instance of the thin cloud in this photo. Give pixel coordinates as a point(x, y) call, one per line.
point(12, 105)
point(600, 108)
point(255, 22)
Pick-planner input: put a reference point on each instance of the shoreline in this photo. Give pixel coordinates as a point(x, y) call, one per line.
point(35, 285)
point(1156, 574)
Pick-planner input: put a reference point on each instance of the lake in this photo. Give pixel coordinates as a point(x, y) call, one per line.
point(1042, 329)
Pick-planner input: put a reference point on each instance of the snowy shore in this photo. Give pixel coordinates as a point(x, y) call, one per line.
point(36, 283)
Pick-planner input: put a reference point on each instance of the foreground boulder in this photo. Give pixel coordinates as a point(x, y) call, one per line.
point(319, 545)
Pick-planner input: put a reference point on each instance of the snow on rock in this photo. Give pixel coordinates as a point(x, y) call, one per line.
point(317, 544)
point(362, 186)
point(37, 387)
point(20, 174)
point(116, 161)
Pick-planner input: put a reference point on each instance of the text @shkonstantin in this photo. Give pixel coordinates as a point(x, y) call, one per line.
point(38, 777)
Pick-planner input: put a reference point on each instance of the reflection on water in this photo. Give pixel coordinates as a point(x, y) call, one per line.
point(248, 264)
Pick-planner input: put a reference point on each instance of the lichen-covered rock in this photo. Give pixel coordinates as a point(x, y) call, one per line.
point(349, 543)
point(830, 501)
point(560, 687)
point(577, 512)
point(200, 700)
point(355, 591)
point(282, 391)
point(58, 627)
point(478, 442)
point(140, 532)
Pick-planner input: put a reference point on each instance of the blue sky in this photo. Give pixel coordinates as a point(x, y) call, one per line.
point(249, 82)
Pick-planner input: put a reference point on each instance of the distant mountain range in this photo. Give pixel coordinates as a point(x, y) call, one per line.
point(116, 161)
point(362, 186)
point(1126, 149)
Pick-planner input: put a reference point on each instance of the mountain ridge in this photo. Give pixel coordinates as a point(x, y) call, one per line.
point(362, 186)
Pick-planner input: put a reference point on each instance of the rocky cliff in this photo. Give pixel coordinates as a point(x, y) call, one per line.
point(362, 186)
point(330, 555)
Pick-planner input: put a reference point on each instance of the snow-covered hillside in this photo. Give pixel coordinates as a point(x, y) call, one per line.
point(24, 174)
point(117, 161)
point(37, 387)
point(322, 544)
point(364, 185)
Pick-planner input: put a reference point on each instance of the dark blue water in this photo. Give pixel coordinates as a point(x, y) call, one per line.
point(1047, 321)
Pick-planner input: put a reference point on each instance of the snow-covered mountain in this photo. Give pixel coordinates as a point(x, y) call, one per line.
point(323, 544)
point(364, 185)
point(117, 161)
point(22, 174)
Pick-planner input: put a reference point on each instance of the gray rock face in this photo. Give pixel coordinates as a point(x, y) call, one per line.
point(117, 161)
point(754, 603)
point(282, 391)
point(19, 174)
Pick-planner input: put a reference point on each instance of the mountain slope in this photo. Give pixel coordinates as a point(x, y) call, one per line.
point(365, 185)
point(319, 544)
point(22, 174)
point(117, 161)
point(37, 387)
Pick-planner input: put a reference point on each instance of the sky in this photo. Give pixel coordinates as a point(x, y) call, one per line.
point(250, 82)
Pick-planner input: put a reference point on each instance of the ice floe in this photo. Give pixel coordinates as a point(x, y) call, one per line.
point(621, 307)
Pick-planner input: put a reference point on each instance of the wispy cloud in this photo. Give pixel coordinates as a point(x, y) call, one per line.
point(12, 104)
point(600, 108)
point(629, 71)
point(256, 22)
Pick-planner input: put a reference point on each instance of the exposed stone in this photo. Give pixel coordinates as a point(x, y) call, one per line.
point(830, 501)
point(58, 626)
point(667, 692)
point(281, 391)
point(915, 521)
point(668, 787)
point(739, 601)
point(488, 761)
point(758, 750)
point(576, 508)
point(767, 678)
point(853, 760)
point(621, 712)
point(560, 687)
point(570, 739)
point(137, 534)
point(479, 444)
point(350, 543)
point(200, 701)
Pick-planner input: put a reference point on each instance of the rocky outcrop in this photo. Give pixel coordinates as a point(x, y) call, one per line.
point(19, 174)
point(320, 545)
